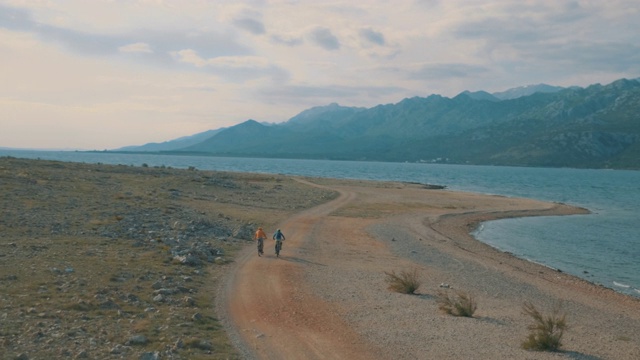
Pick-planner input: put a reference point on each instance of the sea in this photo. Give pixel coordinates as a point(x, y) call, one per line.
point(602, 247)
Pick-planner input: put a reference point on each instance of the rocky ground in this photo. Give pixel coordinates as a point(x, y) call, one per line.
point(122, 262)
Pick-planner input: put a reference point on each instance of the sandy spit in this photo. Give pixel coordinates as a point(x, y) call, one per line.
point(327, 296)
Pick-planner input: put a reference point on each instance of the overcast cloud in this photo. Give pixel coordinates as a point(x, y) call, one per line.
point(104, 74)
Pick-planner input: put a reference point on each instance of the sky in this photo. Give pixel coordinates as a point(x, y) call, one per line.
point(103, 74)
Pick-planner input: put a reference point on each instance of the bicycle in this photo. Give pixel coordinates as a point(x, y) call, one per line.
point(260, 246)
point(278, 236)
point(278, 247)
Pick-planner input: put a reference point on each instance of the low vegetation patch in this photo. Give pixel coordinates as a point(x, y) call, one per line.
point(462, 304)
point(406, 282)
point(113, 261)
point(545, 334)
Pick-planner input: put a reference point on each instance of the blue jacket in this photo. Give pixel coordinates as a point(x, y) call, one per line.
point(278, 235)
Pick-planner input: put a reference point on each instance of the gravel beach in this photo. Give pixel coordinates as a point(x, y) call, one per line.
point(327, 298)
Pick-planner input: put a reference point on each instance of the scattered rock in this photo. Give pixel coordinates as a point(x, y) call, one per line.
point(165, 291)
point(150, 356)
point(189, 260)
point(137, 340)
point(119, 349)
point(189, 301)
point(109, 304)
point(179, 344)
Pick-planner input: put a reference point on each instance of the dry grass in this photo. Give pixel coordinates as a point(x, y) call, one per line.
point(462, 304)
point(68, 265)
point(545, 334)
point(406, 282)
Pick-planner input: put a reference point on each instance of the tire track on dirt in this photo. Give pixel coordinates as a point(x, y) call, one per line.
point(274, 313)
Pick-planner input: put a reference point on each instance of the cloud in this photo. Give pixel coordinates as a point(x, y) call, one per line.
point(233, 68)
point(21, 20)
point(191, 57)
point(15, 18)
point(324, 38)
point(372, 36)
point(555, 39)
point(208, 43)
point(314, 95)
point(446, 71)
point(136, 48)
point(251, 25)
point(588, 56)
point(287, 40)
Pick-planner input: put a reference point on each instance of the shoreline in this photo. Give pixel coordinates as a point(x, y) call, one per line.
point(531, 267)
point(93, 242)
point(579, 211)
point(596, 275)
point(342, 255)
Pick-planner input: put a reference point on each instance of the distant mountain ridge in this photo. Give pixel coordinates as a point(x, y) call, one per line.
point(513, 93)
point(537, 125)
point(526, 91)
point(175, 144)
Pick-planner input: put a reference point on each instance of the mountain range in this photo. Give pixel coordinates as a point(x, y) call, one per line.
point(539, 125)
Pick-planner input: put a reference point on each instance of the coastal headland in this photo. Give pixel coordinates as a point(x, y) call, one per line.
point(101, 261)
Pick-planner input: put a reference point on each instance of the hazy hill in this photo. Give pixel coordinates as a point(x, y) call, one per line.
point(173, 144)
point(321, 116)
point(597, 126)
point(480, 95)
point(526, 91)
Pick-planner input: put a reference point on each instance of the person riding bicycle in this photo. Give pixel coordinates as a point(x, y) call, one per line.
point(260, 236)
point(278, 236)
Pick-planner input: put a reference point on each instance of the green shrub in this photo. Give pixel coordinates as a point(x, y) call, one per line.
point(405, 283)
point(546, 331)
point(462, 304)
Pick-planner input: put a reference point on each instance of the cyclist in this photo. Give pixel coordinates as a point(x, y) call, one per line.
point(260, 236)
point(278, 236)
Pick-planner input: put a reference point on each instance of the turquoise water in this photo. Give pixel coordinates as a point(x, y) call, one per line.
point(603, 247)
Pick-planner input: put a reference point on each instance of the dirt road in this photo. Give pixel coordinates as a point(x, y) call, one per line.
point(277, 316)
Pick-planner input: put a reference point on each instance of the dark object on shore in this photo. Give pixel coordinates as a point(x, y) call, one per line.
point(434, 187)
point(427, 186)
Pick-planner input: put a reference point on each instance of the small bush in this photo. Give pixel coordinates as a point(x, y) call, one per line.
point(462, 304)
point(141, 326)
point(80, 305)
point(195, 343)
point(546, 331)
point(405, 283)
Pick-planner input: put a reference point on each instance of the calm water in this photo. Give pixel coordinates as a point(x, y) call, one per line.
point(603, 247)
